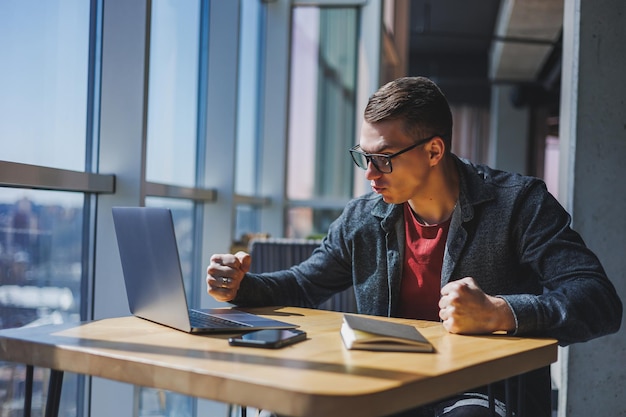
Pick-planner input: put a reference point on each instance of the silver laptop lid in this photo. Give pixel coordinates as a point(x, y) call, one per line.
point(151, 267)
point(154, 281)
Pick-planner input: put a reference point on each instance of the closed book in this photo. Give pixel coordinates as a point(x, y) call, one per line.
point(365, 333)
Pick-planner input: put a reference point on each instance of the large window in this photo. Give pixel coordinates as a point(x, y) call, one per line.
point(310, 184)
point(44, 112)
point(173, 111)
point(321, 116)
point(247, 146)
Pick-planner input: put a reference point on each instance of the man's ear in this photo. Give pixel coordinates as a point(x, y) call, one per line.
point(436, 149)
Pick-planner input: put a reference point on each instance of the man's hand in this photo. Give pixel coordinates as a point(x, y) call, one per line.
point(225, 273)
point(465, 308)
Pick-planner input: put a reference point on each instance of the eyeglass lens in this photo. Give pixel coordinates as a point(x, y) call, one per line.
point(380, 162)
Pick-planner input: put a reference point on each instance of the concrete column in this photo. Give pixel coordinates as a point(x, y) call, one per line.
point(508, 140)
point(593, 150)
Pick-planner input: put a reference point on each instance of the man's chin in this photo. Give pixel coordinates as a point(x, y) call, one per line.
point(390, 199)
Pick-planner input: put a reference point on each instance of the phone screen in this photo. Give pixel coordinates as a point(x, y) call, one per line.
point(272, 339)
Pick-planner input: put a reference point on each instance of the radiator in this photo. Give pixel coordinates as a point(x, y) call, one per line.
point(275, 254)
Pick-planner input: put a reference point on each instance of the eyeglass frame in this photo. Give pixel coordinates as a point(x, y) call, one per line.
point(368, 156)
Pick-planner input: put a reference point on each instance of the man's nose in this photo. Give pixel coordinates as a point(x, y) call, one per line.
point(372, 172)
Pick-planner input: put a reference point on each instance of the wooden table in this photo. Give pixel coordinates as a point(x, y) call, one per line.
point(317, 377)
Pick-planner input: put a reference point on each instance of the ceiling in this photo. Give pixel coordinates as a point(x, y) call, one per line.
point(467, 46)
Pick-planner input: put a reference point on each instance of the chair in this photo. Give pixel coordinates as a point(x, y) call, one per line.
point(275, 254)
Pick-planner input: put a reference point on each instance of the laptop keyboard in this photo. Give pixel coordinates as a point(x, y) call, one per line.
point(199, 319)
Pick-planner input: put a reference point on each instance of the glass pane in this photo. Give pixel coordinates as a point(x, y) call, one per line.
point(246, 153)
point(322, 102)
point(308, 223)
point(41, 239)
point(44, 47)
point(246, 226)
point(160, 403)
point(173, 92)
point(247, 100)
point(41, 252)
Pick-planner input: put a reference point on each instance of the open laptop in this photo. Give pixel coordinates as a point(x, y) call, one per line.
point(154, 281)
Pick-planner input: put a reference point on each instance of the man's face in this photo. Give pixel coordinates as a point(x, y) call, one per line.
point(410, 170)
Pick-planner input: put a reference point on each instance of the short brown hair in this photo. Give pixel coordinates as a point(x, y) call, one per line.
point(416, 100)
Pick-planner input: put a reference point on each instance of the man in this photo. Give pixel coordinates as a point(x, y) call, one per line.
point(440, 238)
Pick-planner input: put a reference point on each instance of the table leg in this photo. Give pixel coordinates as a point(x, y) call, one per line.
point(492, 400)
point(508, 401)
point(54, 393)
point(508, 397)
point(28, 391)
point(521, 398)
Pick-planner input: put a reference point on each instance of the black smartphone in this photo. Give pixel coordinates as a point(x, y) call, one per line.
point(270, 339)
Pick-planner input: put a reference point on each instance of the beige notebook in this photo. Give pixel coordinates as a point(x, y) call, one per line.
point(359, 332)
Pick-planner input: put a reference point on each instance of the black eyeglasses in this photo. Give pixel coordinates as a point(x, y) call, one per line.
point(380, 161)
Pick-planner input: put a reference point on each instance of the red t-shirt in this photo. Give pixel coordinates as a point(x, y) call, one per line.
point(421, 275)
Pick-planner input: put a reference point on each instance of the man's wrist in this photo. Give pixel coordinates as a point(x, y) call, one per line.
point(505, 317)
